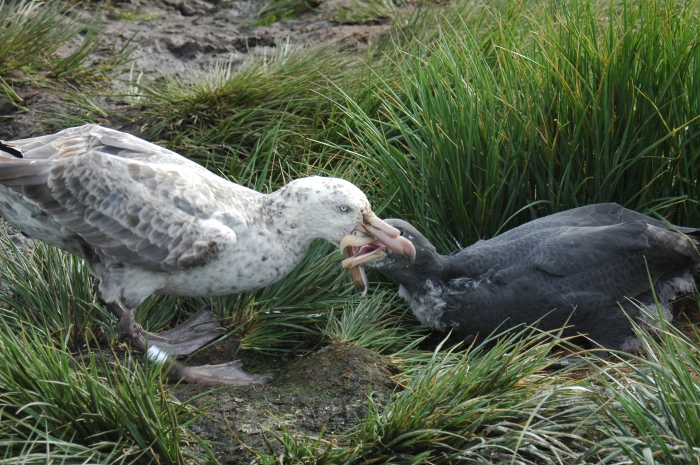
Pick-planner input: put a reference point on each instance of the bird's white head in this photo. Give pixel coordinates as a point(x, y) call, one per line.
point(330, 209)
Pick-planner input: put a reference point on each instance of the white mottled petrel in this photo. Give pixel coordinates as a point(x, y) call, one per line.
point(147, 220)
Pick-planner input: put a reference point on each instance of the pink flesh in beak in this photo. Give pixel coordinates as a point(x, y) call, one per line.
point(358, 275)
point(361, 250)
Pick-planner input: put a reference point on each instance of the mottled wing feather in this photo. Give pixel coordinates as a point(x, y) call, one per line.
point(81, 139)
point(15, 172)
point(95, 182)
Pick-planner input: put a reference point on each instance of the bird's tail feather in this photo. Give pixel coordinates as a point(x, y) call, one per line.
point(18, 172)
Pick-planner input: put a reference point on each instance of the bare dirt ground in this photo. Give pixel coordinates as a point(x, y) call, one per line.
point(323, 390)
point(175, 36)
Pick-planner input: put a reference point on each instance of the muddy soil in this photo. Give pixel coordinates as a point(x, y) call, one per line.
point(175, 36)
point(324, 392)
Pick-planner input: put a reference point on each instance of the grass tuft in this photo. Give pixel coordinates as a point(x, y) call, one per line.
point(364, 12)
point(480, 406)
point(53, 290)
point(371, 322)
point(37, 47)
point(226, 116)
point(505, 114)
point(656, 411)
point(59, 408)
point(276, 10)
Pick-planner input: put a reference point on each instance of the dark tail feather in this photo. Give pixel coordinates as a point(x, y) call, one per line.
point(10, 150)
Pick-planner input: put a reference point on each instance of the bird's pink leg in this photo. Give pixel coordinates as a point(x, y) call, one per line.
point(226, 373)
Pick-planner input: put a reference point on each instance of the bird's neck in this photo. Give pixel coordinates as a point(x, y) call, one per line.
point(287, 219)
point(428, 268)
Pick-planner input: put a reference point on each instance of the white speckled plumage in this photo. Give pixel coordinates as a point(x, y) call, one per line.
point(144, 210)
point(147, 220)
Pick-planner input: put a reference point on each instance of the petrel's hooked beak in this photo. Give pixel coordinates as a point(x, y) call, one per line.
point(360, 247)
point(389, 236)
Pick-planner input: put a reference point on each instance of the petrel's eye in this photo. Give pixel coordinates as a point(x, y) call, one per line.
point(344, 209)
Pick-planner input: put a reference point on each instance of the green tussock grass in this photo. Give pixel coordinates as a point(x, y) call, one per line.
point(479, 406)
point(497, 405)
point(375, 322)
point(53, 290)
point(656, 406)
point(262, 124)
point(271, 105)
point(54, 408)
point(657, 396)
point(365, 11)
point(504, 114)
point(38, 48)
point(473, 119)
point(275, 10)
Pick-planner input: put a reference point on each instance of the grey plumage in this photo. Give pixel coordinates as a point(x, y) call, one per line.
point(587, 265)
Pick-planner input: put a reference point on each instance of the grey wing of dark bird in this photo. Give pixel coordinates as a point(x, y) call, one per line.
point(601, 214)
point(128, 200)
point(609, 259)
point(611, 262)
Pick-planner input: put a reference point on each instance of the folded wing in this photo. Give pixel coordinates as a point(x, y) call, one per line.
point(126, 200)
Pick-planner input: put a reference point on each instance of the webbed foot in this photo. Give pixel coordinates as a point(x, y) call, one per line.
point(198, 330)
point(181, 340)
point(224, 373)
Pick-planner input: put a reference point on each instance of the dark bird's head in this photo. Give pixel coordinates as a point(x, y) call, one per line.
point(427, 263)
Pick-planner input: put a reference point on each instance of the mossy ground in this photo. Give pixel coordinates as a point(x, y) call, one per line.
point(325, 390)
